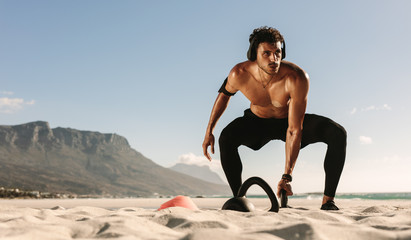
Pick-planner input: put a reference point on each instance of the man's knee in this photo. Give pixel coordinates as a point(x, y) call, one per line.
point(226, 139)
point(335, 133)
point(340, 134)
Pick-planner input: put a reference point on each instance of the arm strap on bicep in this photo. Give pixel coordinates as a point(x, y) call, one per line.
point(224, 90)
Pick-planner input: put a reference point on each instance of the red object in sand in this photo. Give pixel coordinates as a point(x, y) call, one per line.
point(179, 201)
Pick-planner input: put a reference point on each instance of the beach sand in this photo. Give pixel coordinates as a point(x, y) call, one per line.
point(139, 219)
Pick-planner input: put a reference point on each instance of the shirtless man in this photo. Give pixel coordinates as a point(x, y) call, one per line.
point(277, 90)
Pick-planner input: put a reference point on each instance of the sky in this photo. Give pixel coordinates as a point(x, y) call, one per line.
point(150, 71)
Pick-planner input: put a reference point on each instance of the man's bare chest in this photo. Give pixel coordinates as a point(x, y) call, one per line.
point(274, 95)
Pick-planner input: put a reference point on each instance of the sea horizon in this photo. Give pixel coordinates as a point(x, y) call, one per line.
point(347, 195)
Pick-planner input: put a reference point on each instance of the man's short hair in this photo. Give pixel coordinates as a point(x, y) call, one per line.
point(260, 35)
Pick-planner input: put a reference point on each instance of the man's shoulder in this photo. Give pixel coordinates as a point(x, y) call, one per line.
point(241, 71)
point(241, 68)
point(294, 71)
point(297, 81)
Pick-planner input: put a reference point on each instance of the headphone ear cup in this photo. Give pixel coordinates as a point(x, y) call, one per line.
point(251, 54)
point(283, 50)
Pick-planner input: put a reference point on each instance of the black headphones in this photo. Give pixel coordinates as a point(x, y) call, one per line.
point(252, 50)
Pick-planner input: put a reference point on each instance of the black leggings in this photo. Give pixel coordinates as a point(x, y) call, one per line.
point(255, 132)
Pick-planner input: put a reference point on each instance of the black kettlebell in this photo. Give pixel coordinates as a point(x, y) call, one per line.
point(284, 198)
point(242, 204)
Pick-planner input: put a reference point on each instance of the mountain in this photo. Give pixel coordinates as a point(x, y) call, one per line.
point(201, 172)
point(34, 156)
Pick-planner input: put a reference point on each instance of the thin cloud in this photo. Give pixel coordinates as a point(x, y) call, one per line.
point(384, 107)
point(6, 93)
point(365, 140)
point(353, 111)
point(12, 105)
point(369, 108)
point(192, 159)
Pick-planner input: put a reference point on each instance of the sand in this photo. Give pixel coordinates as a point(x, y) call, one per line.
point(139, 219)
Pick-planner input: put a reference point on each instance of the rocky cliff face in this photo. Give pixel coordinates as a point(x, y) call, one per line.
point(26, 135)
point(34, 156)
point(38, 135)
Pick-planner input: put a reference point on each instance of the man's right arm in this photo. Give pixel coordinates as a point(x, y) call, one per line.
point(228, 89)
point(219, 107)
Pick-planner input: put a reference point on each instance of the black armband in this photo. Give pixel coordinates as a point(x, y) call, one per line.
point(223, 90)
point(287, 177)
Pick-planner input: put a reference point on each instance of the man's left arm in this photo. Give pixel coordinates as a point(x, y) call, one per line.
point(298, 88)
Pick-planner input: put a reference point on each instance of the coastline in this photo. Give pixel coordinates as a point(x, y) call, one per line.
point(202, 203)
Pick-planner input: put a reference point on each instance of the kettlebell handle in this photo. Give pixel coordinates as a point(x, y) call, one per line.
point(264, 185)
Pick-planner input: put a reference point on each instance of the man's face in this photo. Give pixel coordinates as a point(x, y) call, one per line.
point(269, 57)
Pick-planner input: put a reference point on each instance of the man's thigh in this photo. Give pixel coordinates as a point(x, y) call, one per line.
point(316, 128)
point(255, 132)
